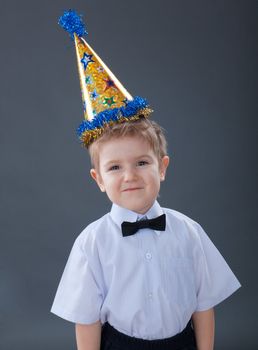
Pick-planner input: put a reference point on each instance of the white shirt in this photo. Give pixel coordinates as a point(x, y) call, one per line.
point(147, 285)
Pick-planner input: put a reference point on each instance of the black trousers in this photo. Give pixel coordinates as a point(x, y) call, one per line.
point(111, 339)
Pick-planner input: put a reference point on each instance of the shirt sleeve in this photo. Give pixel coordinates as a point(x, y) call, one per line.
point(79, 296)
point(215, 280)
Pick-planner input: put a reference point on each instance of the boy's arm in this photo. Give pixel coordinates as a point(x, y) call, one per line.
point(204, 328)
point(88, 336)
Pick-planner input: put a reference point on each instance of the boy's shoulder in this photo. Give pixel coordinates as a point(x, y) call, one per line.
point(181, 222)
point(178, 216)
point(95, 227)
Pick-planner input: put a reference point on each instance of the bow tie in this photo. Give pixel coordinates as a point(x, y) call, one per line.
point(130, 228)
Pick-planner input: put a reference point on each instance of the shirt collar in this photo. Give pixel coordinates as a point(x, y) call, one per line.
point(120, 214)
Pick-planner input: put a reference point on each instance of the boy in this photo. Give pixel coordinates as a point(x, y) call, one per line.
point(138, 276)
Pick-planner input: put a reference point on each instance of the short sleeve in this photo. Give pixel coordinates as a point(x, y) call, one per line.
point(79, 296)
point(214, 279)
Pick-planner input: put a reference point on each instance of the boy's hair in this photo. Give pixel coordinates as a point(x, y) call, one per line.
point(145, 128)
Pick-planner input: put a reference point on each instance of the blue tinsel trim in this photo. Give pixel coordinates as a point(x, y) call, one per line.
point(102, 118)
point(72, 23)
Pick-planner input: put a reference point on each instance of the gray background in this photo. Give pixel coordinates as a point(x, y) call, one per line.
point(196, 62)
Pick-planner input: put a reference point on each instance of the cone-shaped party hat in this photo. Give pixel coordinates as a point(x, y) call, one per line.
point(105, 100)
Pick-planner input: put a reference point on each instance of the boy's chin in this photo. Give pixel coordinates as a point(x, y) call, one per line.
point(139, 209)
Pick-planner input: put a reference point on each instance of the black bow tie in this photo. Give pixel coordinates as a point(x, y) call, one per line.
point(130, 228)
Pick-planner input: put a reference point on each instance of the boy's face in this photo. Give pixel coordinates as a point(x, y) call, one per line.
point(130, 173)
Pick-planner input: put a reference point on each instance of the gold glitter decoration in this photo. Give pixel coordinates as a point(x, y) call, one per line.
point(99, 86)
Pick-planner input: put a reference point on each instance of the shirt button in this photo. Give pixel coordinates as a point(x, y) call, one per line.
point(150, 295)
point(148, 255)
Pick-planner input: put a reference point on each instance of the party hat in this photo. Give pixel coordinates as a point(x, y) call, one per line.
point(105, 100)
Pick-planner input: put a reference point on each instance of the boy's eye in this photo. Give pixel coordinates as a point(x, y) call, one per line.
point(114, 167)
point(142, 162)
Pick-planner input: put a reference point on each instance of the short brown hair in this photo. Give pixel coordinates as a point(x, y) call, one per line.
point(145, 128)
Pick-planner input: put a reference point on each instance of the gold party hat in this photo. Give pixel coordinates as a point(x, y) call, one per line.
point(105, 100)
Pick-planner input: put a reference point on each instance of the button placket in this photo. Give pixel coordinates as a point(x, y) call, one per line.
point(148, 257)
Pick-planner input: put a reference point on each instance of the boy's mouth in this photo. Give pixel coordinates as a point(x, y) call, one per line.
point(132, 189)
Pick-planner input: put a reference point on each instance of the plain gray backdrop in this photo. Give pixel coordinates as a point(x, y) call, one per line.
point(196, 63)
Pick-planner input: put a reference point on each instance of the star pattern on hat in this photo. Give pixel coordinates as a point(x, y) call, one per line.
point(108, 84)
point(88, 80)
point(94, 94)
point(86, 60)
point(109, 101)
point(100, 69)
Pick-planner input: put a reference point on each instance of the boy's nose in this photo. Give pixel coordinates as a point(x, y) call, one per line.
point(129, 175)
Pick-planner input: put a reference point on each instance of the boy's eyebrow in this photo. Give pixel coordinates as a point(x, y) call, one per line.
point(144, 156)
point(112, 161)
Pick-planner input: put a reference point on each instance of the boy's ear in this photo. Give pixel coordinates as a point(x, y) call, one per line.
point(96, 176)
point(163, 167)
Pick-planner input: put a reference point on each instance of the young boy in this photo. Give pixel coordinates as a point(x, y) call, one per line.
point(141, 276)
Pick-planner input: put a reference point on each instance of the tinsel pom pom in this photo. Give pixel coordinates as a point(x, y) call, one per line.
point(72, 23)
